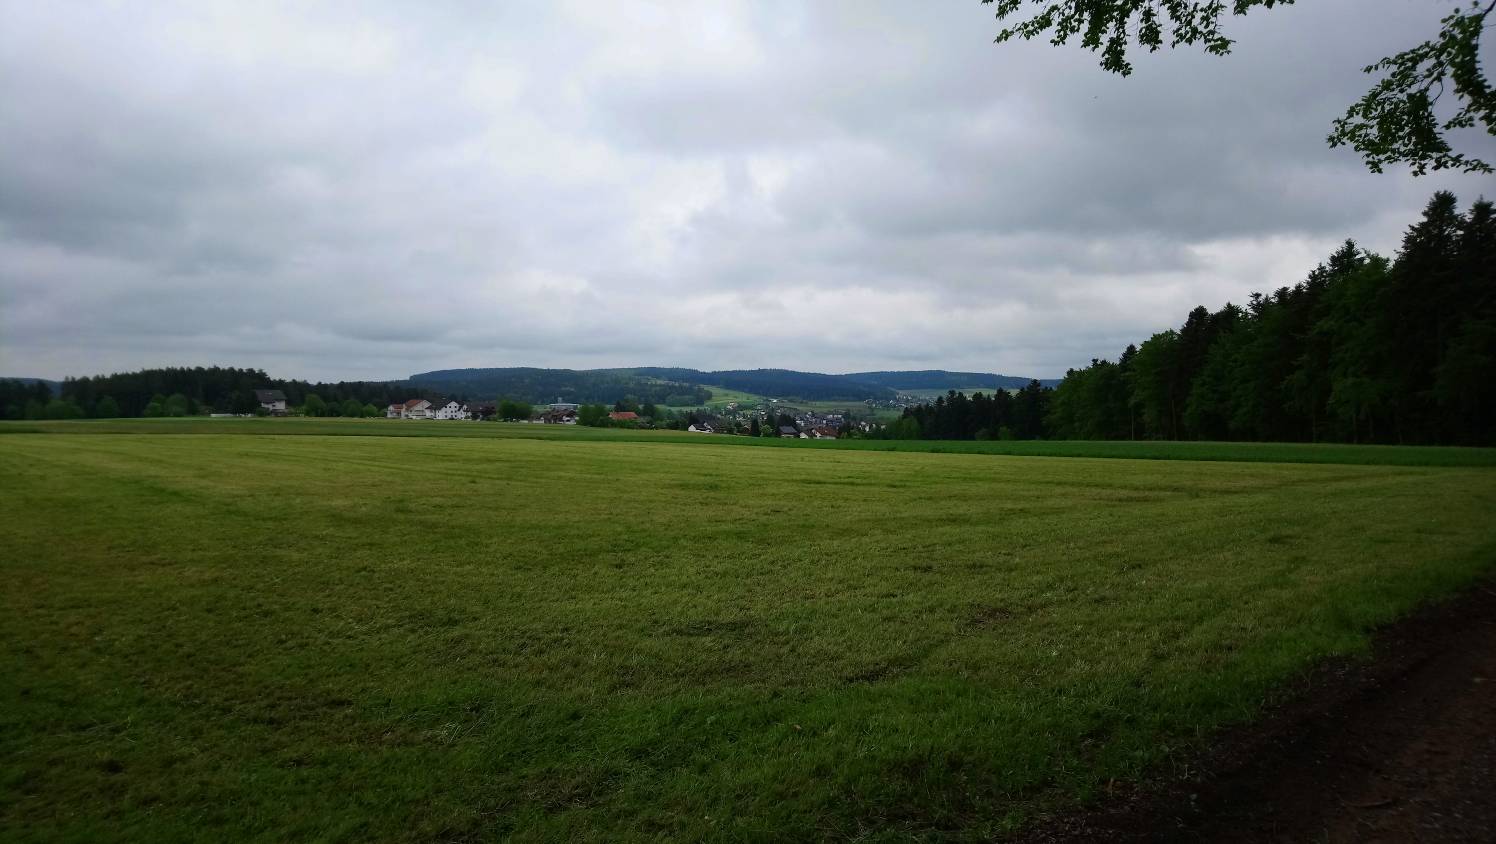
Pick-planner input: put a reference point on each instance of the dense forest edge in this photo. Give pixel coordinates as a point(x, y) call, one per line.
point(1366, 349)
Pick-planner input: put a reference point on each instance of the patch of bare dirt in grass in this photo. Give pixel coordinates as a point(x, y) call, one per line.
point(1401, 747)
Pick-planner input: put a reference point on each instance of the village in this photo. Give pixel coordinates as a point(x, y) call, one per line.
point(783, 421)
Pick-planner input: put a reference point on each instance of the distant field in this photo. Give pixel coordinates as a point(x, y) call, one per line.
point(1370, 455)
point(857, 408)
point(934, 394)
point(582, 635)
point(721, 396)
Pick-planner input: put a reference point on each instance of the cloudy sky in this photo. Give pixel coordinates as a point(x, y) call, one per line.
point(367, 190)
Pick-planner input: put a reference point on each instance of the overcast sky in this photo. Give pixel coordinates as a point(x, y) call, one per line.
point(367, 190)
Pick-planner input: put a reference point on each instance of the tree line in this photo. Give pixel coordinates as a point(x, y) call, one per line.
point(540, 386)
point(1000, 415)
point(187, 391)
point(1366, 349)
point(33, 400)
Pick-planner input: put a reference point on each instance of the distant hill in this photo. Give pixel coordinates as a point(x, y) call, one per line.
point(582, 386)
point(646, 383)
point(781, 383)
point(54, 386)
point(940, 379)
point(660, 383)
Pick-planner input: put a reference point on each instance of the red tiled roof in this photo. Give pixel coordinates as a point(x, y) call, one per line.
point(623, 415)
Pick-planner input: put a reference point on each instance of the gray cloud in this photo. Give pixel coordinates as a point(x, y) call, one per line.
point(337, 192)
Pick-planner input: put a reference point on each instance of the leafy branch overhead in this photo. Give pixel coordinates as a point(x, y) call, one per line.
point(1393, 123)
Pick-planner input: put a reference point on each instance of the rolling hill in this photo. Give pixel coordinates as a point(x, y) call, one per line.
point(657, 383)
point(940, 379)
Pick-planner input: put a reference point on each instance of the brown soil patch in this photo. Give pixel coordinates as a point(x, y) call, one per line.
point(1398, 748)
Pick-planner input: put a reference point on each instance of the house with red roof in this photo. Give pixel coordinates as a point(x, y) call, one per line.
point(413, 409)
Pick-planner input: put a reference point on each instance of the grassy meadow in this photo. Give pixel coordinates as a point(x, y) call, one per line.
point(1335, 453)
point(485, 631)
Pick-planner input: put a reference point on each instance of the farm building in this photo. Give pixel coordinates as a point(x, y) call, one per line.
point(450, 409)
point(272, 401)
point(413, 409)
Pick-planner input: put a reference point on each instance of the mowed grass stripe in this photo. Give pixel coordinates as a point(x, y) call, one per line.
point(1331, 453)
point(407, 638)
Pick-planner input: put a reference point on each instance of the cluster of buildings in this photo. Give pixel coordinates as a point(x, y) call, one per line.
point(791, 432)
point(560, 413)
point(807, 425)
point(439, 409)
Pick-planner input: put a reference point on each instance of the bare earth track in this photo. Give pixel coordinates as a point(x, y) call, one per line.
point(1398, 748)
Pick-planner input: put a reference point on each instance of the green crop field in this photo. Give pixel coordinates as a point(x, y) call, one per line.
point(483, 631)
point(1370, 455)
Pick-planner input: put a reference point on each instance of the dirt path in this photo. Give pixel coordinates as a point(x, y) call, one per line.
point(1401, 748)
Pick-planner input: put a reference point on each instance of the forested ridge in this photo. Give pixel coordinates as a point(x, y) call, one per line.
point(656, 383)
point(940, 379)
point(1364, 350)
point(662, 383)
point(581, 386)
point(186, 390)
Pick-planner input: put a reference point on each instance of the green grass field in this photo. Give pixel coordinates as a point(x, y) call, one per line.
point(481, 631)
point(933, 394)
point(722, 396)
point(1369, 455)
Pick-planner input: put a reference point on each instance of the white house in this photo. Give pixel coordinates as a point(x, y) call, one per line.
point(451, 409)
point(272, 401)
point(395, 411)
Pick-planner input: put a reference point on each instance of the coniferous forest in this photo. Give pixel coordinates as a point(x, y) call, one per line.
point(187, 390)
point(1363, 350)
